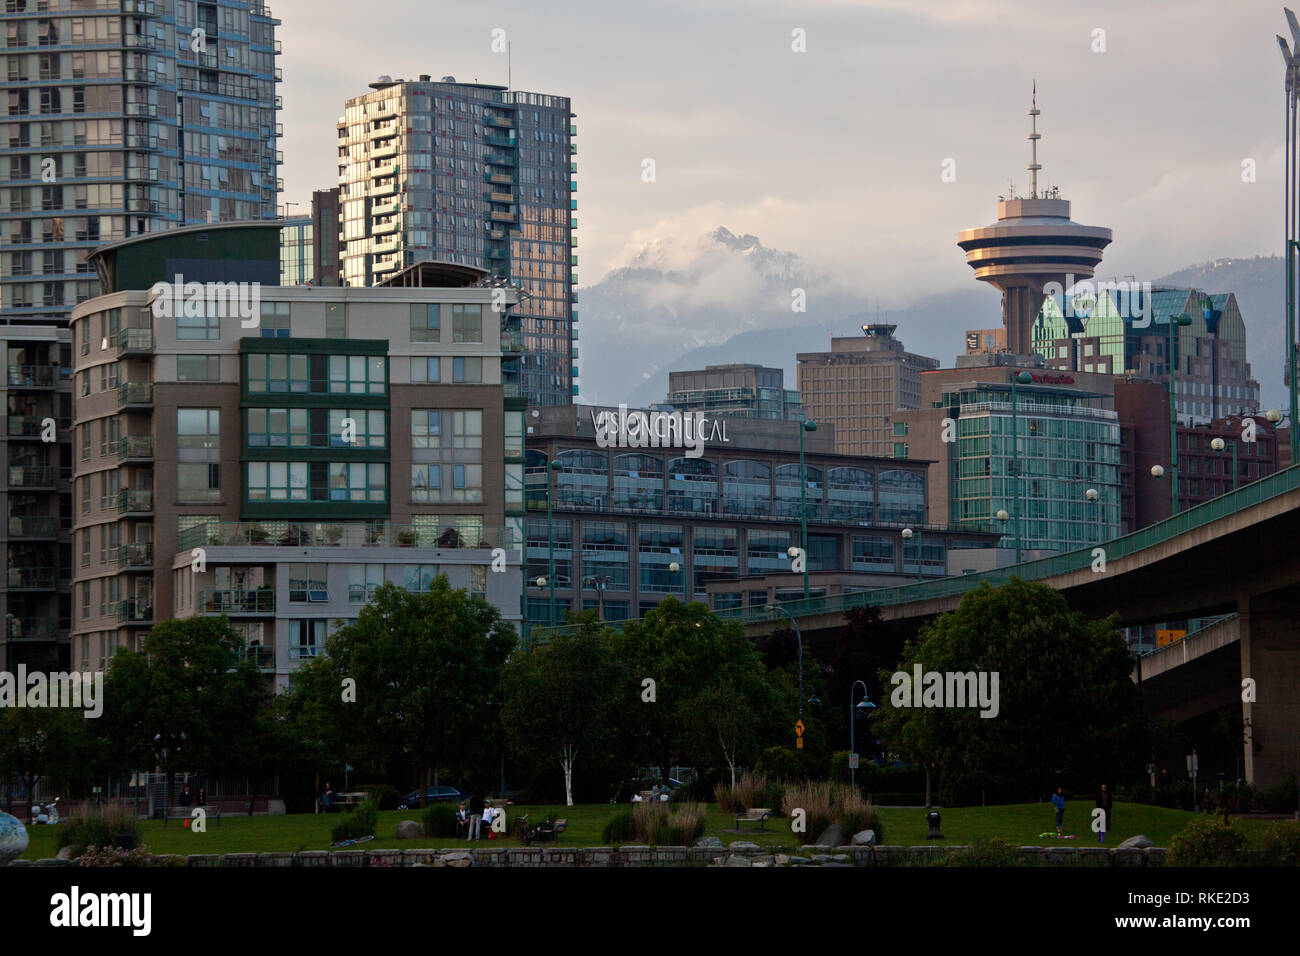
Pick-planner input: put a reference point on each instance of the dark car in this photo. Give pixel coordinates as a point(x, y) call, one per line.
point(434, 795)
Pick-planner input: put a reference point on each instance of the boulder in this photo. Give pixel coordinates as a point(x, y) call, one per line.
point(712, 842)
point(1136, 842)
point(65, 853)
point(460, 859)
point(864, 838)
point(409, 830)
point(743, 846)
point(833, 835)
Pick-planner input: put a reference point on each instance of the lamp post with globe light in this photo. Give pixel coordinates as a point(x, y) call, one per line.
point(806, 426)
point(863, 705)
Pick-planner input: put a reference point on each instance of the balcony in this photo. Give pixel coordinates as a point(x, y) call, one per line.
point(261, 601)
point(142, 205)
point(501, 142)
point(32, 579)
point(134, 557)
point(132, 502)
point(135, 395)
point(385, 265)
point(499, 159)
point(141, 8)
point(26, 426)
point(140, 42)
point(501, 179)
point(38, 527)
point(503, 216)
point(261, 656)
point(387, 246)
point(338, 534)
point(149, 110)
point(134, 611)
point(136, 141)
point(133, 342)
point(383, 152)
point(31, 376)
point(387, 131)
point(135, 448)
point(33, 477)
point(143, 77)
point(388, 189)
point(31, 629)
point(384, 228)
point(497, 252)
point(383, 170)
point(501, 197)
point(493, 120)
point(385, 209)
point(512, 343)
point(140, 174)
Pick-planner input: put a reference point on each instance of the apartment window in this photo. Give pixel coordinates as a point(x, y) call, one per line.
point(900, 429)
point(478, 581)
point(466, 323)
point(418, 577)
point(198, 482)
point(194, 323)
point(306, 638)
point(308, 582)
point(85, 443)
point(85, 600)
point(363, 581)
point(467, 370)
point(356, 481)
point(275, 320)
point(85, 548)
point(426, 370)
point(336, 320)
point(358, 374)
point(277, 480)
point(426, 483)
point(467, 428)
point(198, 368)
point(367, 424)
point(426, 428)
point(467, 483)
point(85, 496)
point(425, 324)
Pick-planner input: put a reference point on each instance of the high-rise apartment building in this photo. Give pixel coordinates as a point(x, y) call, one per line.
point(124, 117)
point(297, 251)
point(736, 390)
point(858, 385)
point(470, 173)
point(276, 468)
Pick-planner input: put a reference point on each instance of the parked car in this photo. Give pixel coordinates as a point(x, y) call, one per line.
point(434, 795)
point(623, 793)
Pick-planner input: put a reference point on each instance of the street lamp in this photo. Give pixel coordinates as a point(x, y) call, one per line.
point(1182, 319)
point(1020, 378)
point(1218, 445)
point(777, 609)
point(807, 426)
point(599, 584)
point(864, 705)
point(1292, 226)
point(907, 536)
point(551, 466)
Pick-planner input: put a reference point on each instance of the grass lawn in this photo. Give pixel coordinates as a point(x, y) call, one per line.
point(1019, 824)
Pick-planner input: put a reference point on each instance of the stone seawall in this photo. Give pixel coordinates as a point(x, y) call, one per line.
point(738, 854)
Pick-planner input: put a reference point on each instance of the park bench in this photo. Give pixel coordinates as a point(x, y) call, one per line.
point(212, 813)
point(753, 815)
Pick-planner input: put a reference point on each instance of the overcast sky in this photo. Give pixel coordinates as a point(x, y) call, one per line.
point(836, 153)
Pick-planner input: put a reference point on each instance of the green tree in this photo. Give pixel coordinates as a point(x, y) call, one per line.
point(187, 702)
point(420, 669)
point(1068, 711)
point(44, 742)
point(694, 660)
point(557, 697)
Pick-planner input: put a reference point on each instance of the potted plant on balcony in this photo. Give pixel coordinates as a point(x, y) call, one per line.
point(264, 598)
point(257, 534)
point(334, 533)
point(406, 538)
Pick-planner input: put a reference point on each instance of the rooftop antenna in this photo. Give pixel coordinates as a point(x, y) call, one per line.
point(1034, 137)
point(510, 68)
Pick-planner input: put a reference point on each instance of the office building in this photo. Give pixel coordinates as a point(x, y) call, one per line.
point(325, 236)
point(1068, 444)
point(858, 385)
point(476, 174)
point(1123, 334)
point(126, 117)
point(736, 390)
point(725, 512)
point(297, 251)
point(346, 437)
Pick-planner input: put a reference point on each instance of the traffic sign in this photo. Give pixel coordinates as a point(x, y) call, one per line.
point(853, 761)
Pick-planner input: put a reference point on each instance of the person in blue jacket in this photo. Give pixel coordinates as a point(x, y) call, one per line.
point(1058, 801)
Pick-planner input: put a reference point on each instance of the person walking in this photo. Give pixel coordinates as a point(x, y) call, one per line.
point(1058, 801)
point(475, 816)
point(1104, 802)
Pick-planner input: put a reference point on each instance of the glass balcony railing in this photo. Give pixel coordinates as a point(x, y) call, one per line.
point(341, 534)
point(261, 601)
point(134, 502)
point(129, 341)
point(134, 393)
point(135, 611)
point(33, 526)
point(26, 426)
point(31, 579)
point(31, 376)
point(30, 629)
point(138, 555)
point(260, 655)
point(33, 476)
point(135, 446)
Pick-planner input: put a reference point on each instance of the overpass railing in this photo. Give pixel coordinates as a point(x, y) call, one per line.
point(1195, 517)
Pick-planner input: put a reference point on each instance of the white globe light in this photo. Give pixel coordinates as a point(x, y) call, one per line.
point(1157, 471)
point(1002, 514)
point(792, 552)
point(1091, 494)
point(1273, 415)
point(1217, 444)
point(907, 532)
point(674, 567)
point(541, 582)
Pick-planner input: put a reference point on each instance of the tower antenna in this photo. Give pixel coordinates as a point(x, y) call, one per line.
point(1034, 137)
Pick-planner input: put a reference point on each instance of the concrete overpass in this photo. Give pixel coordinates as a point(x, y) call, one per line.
point(1232, 554)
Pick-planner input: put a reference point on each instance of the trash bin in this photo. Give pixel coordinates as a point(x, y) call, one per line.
point(933, 820)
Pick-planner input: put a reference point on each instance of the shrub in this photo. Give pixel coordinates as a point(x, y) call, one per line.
point(359, 823)
point(1280, 843)
point(662, 824)
point(1206, 842)
point(780, 763)
point(1233, 798)
point(619, 830)
point(855, 813)
point(439, 820)
point(111, 856)
point(816, 800)
point(1279, 798)
point(90, 828)
point(993, 852)
point(839, 768)
point(381, 795)
point(750, 791)
point(701, 789)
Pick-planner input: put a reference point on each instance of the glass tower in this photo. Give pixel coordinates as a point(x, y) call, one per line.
point(125, 117)
point(475, 174)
